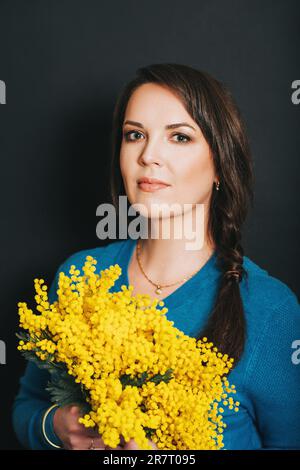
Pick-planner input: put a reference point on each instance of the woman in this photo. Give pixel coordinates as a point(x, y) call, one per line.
point(181, 126)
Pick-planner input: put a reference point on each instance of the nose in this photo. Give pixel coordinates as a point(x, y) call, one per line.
point(151, 155)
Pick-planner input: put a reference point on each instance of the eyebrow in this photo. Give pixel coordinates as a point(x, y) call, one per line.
point(169, 126)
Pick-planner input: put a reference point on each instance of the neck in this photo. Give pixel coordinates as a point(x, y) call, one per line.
point(167, 260)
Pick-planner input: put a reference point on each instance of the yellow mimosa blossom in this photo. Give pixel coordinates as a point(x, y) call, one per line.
point(139, 374)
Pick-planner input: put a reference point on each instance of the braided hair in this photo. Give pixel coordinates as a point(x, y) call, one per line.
point(211, 105)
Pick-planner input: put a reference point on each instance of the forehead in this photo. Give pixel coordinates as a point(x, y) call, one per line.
point(153, 103)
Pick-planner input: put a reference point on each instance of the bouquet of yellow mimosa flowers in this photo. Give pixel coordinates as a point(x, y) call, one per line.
point(124, 363)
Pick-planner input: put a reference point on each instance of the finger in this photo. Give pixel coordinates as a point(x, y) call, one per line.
point(94, 443)
point(152, 444)
point(87, 432)
point(76, 414)
point(98, 442)
point(131, 445)
point(75, 410)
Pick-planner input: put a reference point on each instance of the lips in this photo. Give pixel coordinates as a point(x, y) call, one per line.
point(151, 184)
point(144, 179)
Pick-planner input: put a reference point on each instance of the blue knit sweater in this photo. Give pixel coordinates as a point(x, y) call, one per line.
point(266, 378)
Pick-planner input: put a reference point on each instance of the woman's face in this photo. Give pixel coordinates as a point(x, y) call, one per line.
point(179, 156)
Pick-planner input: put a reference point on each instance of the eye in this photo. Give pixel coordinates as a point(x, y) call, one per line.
point(137, 133)
point(188, 139)
point(127, 135)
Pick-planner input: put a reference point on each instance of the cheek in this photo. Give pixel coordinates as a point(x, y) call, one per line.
point(196, 175)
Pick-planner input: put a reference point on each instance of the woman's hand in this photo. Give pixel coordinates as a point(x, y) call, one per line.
point(74, 435)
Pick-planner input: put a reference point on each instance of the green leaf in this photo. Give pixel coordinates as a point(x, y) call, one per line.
point(65, 391)
point(126, 379)
point(23, 335)
point(149, 432)
point(157, 378)
point(137, 381)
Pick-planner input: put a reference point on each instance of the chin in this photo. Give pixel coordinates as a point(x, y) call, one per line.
point(141, 208)
point(156, 209)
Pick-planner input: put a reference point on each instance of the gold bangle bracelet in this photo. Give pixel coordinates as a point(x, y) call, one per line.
point(44, 430)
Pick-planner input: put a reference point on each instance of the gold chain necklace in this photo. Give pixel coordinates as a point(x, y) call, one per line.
point(158, 289)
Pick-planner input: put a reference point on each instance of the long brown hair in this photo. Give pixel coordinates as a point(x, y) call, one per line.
point(211, 105)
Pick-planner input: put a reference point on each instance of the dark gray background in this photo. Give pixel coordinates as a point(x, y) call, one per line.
point(64, 63)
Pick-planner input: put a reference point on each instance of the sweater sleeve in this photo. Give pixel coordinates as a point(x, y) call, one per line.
point(32, 401)
point(273, 378)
